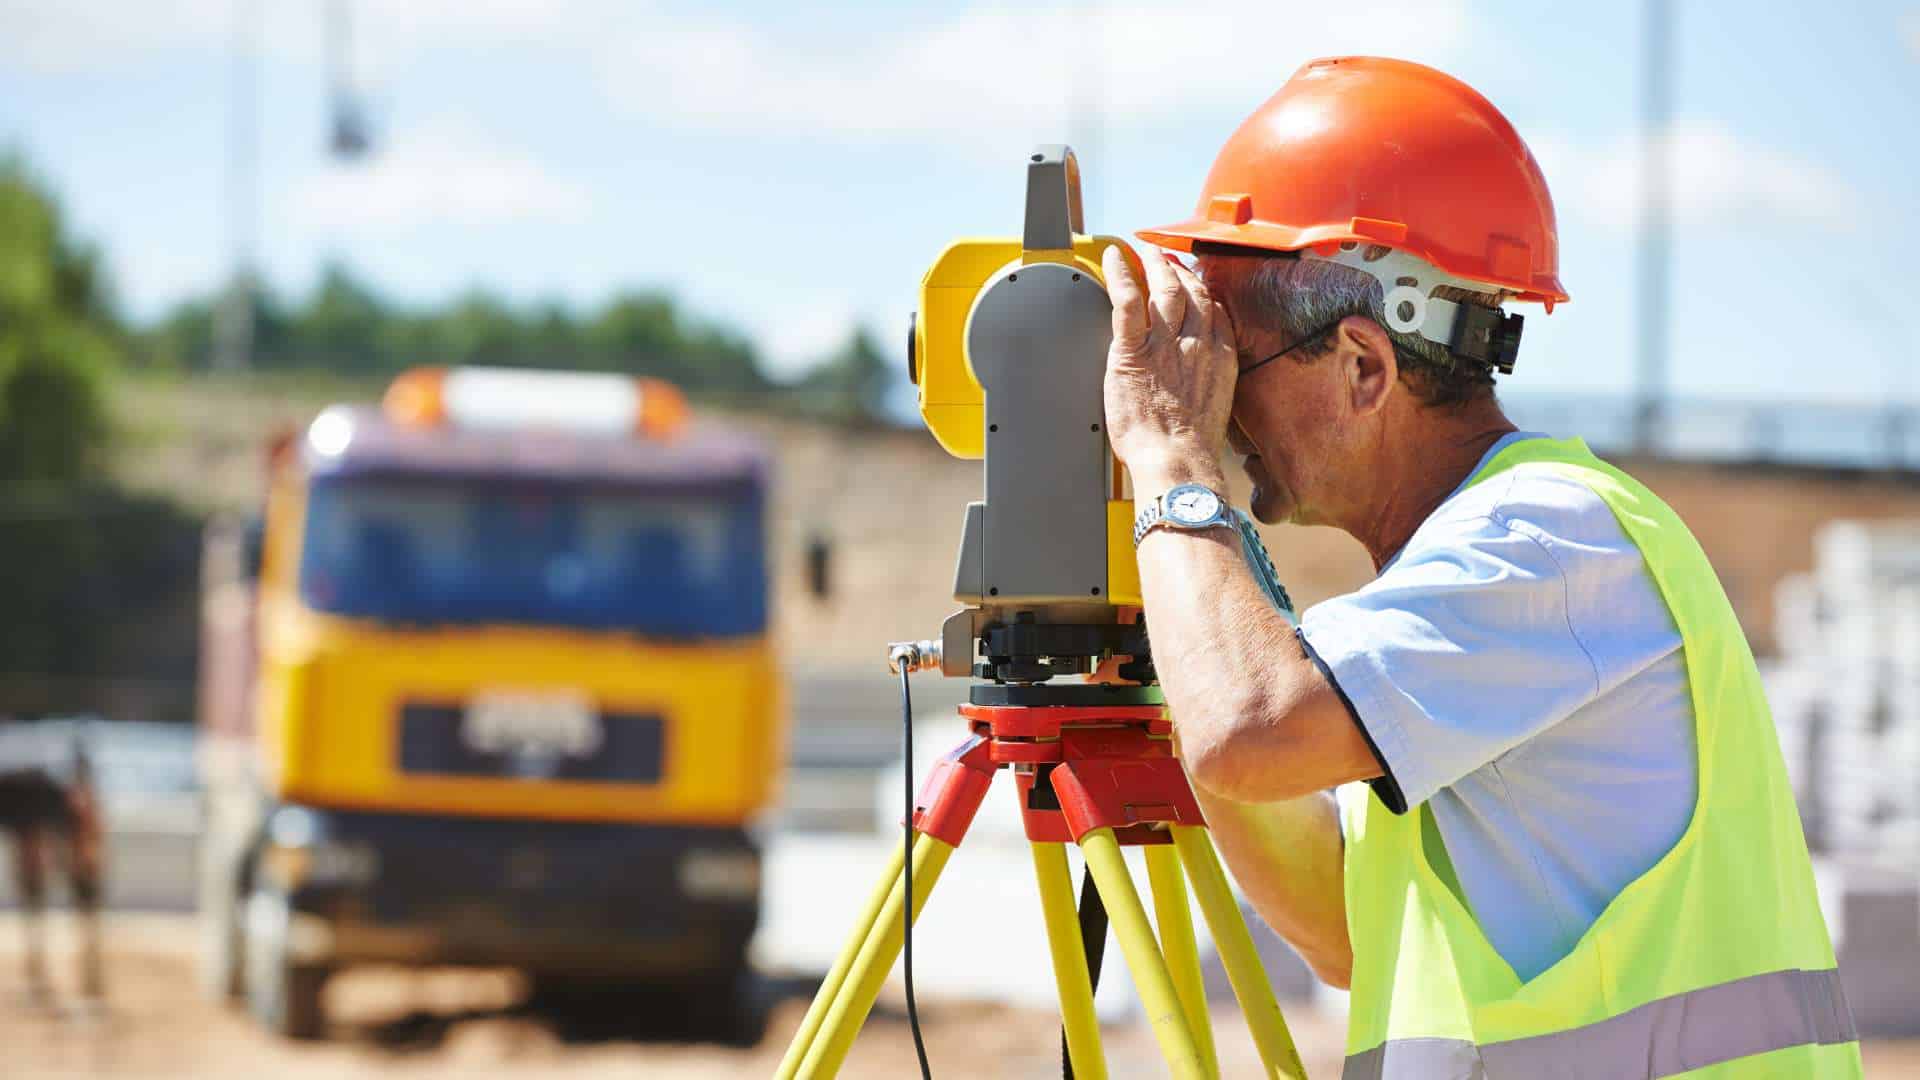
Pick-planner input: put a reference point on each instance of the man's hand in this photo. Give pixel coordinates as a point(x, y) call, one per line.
point(1170, 374)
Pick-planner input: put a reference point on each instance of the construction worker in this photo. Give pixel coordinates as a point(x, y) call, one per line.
point(1563, 842)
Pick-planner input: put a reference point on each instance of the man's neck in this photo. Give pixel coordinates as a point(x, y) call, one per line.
point(1430, 457)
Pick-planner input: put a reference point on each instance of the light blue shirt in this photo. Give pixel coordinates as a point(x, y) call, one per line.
point(1516, 670)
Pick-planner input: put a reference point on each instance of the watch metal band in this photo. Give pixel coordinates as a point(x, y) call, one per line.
point(1149, 516)
point(1154, 514)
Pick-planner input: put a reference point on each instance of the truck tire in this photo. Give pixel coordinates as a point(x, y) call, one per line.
point(728, 1009)
point(725, 1007)
point(282, 996)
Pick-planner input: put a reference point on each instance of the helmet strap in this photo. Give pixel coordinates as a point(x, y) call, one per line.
point(1483, 335)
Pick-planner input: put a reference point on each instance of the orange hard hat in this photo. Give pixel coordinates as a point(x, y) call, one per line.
point(1376, 151)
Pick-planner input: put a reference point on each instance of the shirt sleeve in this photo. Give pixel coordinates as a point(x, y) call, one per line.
point(1461, 650)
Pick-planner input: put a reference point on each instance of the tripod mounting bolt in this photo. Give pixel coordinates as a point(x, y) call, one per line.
point(913, 656)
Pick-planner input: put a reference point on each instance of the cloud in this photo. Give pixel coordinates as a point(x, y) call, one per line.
point(101, 36)
point(797, 336)
point(987, 73)
point(82, 36)
point(1910, 32)
point(439, 179)
point(1717, 176)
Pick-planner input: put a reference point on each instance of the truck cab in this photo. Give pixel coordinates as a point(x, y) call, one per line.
point(500, 692)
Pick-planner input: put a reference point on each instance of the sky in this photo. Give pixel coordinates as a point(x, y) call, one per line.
point(793, 169)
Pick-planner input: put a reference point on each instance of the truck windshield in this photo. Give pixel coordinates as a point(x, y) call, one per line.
point(679, 565)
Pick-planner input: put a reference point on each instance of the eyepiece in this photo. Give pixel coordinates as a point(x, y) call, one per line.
point(913, 341)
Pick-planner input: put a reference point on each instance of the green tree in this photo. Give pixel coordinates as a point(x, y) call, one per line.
point(186, 338)
point(852, 383)
point(728, 363)
point(345, 325)
point(478, 329)
point(637, 332)
point(550, 337)
point(58, 339)
point(342, 326)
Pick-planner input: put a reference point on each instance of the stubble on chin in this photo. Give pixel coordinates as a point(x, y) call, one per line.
point(1270, 504)
point(1269, 509)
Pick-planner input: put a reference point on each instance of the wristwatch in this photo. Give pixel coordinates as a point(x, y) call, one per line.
point(1186, 506)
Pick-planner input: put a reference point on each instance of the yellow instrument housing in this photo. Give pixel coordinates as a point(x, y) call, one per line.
point(952, 401)
point(952, 404)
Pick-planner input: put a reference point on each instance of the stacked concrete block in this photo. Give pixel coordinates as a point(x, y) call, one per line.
point(1846, 690)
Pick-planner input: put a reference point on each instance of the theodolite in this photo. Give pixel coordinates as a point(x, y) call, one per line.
point(1008, 351)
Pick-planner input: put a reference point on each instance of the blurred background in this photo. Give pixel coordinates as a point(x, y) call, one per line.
point(219, 218)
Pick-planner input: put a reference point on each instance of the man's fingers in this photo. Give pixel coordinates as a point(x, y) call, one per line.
point(1164, 295)
point(1129, 306)
point(1199, 305)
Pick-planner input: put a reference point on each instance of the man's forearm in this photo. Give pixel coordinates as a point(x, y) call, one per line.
point(1222, 654)
point(1257, 722)
point(1288, 858)
point(1260, 731)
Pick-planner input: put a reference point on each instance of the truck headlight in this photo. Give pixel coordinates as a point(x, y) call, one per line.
point(289, 866)
point(720, 875)
point(343, 864)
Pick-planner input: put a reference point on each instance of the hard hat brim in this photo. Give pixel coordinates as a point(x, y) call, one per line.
point(1271, 236)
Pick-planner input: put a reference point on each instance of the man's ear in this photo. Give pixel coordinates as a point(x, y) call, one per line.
point(1366, 354)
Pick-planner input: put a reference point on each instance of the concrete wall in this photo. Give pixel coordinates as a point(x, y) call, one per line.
point(893, 504)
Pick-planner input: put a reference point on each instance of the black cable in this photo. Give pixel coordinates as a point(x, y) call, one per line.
point(906, 941)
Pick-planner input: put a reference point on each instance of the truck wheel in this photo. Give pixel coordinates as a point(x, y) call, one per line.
point(731, 1010)
point(744, 1023)
point(727, 1008)
point(282, 996)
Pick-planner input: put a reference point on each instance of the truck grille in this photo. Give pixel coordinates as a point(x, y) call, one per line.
point(438, 739)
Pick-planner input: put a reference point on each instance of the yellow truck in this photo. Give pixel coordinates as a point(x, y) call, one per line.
point(489, 683)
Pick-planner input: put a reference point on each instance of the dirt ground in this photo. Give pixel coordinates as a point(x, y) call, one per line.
point(473, 1024)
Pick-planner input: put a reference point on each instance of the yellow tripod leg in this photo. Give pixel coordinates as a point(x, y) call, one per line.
point(870, 967)
point(1149, 969)
point(830, 986)
point(1069, 962)
point(1243, 965)
point(1176, 941)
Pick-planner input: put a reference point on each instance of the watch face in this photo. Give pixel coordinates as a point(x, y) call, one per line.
point(1192, 505)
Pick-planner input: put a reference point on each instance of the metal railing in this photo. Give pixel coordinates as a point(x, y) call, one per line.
point(1821, 434)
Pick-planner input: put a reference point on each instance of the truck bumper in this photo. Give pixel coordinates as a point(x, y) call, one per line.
point(552, 897)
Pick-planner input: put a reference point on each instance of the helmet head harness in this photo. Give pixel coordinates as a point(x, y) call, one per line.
point(1472, 332)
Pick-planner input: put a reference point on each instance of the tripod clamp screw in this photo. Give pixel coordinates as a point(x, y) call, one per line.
point(913, 656)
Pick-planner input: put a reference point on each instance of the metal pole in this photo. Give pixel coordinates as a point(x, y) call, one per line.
point(1086, 102)
point(1656, 224)
point(233, 330)
point(348, 137)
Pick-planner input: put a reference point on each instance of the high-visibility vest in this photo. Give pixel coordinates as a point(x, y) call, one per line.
point(1714, 963)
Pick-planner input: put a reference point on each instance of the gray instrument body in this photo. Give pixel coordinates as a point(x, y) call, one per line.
point(1037, 340)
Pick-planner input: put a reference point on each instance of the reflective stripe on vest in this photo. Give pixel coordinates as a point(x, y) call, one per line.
point(1753, 1015)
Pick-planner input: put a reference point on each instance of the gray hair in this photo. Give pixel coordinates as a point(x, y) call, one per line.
point(1305, 299)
